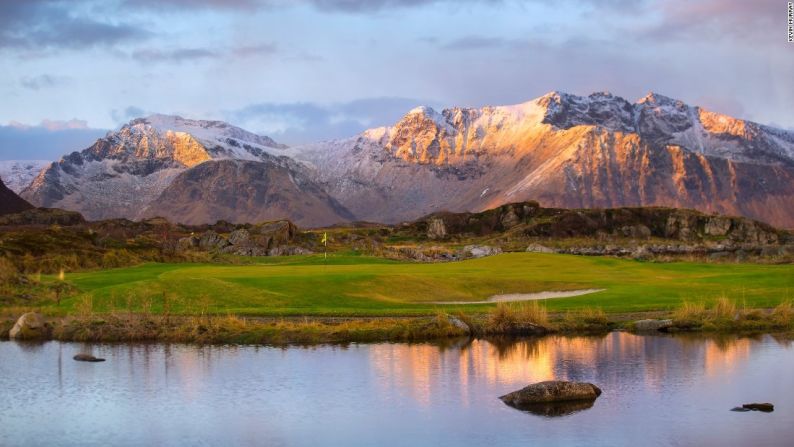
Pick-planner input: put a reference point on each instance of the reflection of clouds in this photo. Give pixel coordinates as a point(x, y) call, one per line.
point(720, 358)
point(406, 367)
point(618, 360)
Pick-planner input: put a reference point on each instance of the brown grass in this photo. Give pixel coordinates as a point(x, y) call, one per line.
point(724, 309)
point(726, 315)
point(689, 311)
point(783, 313)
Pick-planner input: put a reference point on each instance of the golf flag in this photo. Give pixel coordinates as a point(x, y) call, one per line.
point(325, 239)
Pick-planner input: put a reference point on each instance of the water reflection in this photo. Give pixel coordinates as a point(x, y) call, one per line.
point(656, 390)
point(612, 358)
point(557, 409)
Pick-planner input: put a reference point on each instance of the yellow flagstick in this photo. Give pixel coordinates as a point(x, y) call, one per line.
point(325, 244)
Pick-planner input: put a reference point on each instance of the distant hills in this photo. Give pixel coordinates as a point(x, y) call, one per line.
point(562, 150)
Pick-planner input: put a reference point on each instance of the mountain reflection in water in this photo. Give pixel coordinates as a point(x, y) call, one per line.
point(657, 390)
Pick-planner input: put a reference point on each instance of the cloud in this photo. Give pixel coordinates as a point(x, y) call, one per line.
point(344, 6)
point(52, 125)
point(255, 50)
point(48, 140)
point(57, 24)
point(706, 19)
point(178, 55)
point(369, 6)
point(182, 5)
point(474, 43)
point(43, 81)
point(127, 114)
point(303, 122)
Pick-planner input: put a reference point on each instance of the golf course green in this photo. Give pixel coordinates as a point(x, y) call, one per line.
point(349, 285)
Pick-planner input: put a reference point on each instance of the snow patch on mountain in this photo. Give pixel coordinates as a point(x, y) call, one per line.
point(18, 174)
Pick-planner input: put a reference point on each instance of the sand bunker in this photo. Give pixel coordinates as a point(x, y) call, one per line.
point(526, 296)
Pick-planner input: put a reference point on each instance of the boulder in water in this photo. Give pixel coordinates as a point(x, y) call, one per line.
point(87, 358)
point(765, 407)
point(550, 392)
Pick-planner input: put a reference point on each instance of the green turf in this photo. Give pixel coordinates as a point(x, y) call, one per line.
point(357, 285)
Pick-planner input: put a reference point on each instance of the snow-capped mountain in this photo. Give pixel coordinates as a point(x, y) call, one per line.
point(120, 174)
point(560, 149)
point(563, 150)
point(17, 174)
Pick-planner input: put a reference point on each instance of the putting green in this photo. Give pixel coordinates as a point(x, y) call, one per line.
point(357, 285)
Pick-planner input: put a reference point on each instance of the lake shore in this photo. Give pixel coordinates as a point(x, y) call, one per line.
point(502, 321)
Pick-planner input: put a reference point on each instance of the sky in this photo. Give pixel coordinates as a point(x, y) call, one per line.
point(307, 70)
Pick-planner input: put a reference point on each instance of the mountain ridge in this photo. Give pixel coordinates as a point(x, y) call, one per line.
point(564, 150)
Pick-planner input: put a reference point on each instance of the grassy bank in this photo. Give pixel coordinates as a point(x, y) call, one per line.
point(357, 298)
point(515, 319)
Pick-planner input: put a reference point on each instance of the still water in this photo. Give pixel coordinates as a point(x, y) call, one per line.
point(657, 391)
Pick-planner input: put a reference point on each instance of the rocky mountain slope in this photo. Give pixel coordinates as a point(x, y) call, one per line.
point(241, 191)
point(18, 174)
point(564, 151)
point(120, 174)
point(10, 202)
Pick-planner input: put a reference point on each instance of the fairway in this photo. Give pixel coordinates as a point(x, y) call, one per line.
point(357, 286)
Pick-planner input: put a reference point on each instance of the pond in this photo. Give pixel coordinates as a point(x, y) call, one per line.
point(657, 390)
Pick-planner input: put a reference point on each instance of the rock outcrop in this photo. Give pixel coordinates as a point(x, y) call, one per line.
point(652, 325)
point(531, 220)
point(265, 239)
point(30, 326)
point(480, 251)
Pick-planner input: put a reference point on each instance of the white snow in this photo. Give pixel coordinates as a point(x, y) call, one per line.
point(17, 174)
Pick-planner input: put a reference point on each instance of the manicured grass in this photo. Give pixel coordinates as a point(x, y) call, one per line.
point(360, 286)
